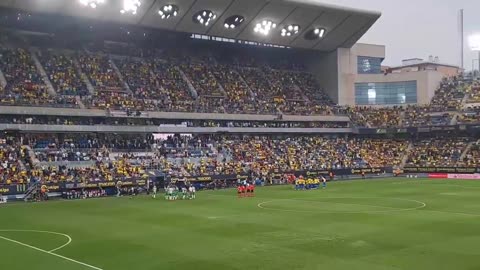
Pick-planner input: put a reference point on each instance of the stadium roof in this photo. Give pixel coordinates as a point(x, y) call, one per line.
point(423, 63)
point(343, 26)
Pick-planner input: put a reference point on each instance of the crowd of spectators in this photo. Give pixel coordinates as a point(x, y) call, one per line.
point(261, 91)
point(186, 155)
point(421, 116)
point(241, 86)
point(11, 170)
point(69, 150)
point(119, 101)
point(171, 81)
point(261, 155)
point(25, 85)
point(377, 117)
point(101, 73)
point(472, 157)
point(156, 84)
point(211, 96)
point(239, 99)
point(448, 96)
point(101, 171)
point(473, 92)
point(63, 74)
point(437, 152)
point(469, 115)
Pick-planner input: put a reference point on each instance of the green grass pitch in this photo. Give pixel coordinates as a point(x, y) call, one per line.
point(374, 224)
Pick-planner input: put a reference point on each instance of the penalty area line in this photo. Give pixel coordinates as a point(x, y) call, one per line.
point(50, 253)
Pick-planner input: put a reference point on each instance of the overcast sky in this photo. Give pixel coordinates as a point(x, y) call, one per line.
point(419, 28)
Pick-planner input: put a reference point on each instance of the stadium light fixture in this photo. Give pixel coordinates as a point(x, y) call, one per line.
point(264, 27)
point(474, 42)
point(92, 3)
point(130, 6)
point(204, 17)
point(315, 33)
point(290, 30)
point(168, 11)
point(233, 21)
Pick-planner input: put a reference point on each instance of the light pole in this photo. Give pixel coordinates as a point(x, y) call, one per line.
point(474, 43)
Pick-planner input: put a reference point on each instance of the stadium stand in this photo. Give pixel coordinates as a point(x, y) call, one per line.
point(25, 86)
point(130, 81)
point(63, 74)
point(204, 155)
point(437, 152)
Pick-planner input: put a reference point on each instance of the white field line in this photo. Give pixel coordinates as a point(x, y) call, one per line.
point(69, 239)
point(391, 209)
point(299, 211)
point(49, 252)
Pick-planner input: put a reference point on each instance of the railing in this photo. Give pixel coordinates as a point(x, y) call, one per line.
point(31, 191)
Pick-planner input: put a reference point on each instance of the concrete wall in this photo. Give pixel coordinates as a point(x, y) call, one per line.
point(325, 69)
point(370, 50)
point(347, 70)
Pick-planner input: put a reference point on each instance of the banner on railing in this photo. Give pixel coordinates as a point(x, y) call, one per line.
point(59, 187)
point(440, 170)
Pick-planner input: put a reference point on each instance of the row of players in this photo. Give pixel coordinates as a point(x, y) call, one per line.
point(310, 183)
point(172, 192)
point(245, 190)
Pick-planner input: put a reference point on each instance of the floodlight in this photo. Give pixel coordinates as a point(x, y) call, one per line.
point(130, 6)
point(92, 3)
point(264, 27)
point(204, 17)
point(168, 11)
point(315, 33)
point(233, 21)
point(290, 30)
point(322, 32)
point(474, 42)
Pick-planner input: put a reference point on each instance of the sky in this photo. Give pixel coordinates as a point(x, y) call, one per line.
point(419, 28)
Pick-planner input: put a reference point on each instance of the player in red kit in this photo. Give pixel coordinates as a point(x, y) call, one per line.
point(239, 191)
point(248, 190)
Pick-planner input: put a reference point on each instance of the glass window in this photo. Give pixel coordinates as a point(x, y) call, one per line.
point(388, 93)
point(369, 65)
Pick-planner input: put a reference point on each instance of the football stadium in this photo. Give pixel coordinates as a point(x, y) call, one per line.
point(229, 134)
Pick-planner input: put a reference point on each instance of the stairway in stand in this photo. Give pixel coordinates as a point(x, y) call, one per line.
point(32, 190)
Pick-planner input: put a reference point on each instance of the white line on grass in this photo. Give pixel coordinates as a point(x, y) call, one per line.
point(48, 232)
point(391, 209)
point(50, 252)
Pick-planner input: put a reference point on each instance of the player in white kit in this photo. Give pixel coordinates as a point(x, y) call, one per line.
point(192, 192)
point(154, 192)
point(184, 193)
